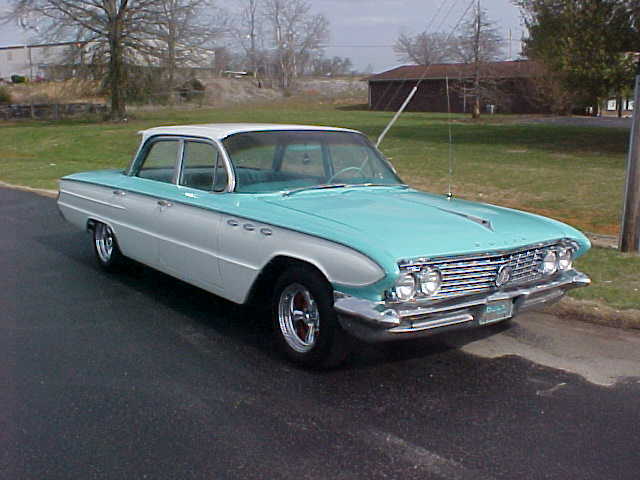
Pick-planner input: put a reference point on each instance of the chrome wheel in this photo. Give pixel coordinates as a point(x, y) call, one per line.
point(104, 241)
point(298, 317)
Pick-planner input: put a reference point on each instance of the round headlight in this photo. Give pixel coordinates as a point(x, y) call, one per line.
point(406, 287)
point(550, 263)
point(429, 281)
point(565, 259)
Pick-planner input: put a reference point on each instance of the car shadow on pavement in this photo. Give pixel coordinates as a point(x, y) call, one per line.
point(213, 316)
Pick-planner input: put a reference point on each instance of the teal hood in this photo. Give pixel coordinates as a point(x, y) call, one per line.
point(408, 224)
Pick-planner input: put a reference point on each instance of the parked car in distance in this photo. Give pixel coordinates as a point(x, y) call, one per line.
point(315, 223)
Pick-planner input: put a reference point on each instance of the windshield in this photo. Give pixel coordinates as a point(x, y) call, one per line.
point(277, 161)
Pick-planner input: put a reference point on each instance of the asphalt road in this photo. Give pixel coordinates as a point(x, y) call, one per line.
point(141, 376)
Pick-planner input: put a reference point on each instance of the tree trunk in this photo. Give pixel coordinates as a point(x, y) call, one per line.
point(116, 73)
point(619, 106)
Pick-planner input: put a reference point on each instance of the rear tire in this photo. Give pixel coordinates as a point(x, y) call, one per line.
point(306, 326)
point(105, 247)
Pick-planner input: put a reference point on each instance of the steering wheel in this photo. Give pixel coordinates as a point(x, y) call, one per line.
point(344, 170)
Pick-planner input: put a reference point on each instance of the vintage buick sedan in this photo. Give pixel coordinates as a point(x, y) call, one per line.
point(315, 223)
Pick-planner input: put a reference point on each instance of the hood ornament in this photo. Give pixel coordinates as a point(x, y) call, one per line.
point(480, 221)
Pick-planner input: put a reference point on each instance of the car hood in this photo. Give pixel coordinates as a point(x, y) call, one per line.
point(410, 224)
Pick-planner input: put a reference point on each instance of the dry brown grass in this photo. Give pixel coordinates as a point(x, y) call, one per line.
point(69, 91)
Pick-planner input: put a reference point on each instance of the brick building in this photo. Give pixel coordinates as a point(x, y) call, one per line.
point(505, 87)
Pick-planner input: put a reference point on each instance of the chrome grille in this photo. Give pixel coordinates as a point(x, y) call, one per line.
point(470, 275)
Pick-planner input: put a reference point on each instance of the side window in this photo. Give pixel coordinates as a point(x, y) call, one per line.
point(303, 159)
point(203, 168)
point(160, 161)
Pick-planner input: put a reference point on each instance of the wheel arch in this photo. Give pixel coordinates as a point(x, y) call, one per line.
point(262, 288)
point(91, 224)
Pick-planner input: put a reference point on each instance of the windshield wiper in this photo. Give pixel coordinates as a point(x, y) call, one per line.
point(314, 187)
point(400, 185)
point(343, 185)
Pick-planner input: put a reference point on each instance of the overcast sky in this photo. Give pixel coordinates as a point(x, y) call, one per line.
point(365, 30)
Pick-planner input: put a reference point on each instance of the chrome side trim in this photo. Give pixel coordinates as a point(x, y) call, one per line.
point(89, 199)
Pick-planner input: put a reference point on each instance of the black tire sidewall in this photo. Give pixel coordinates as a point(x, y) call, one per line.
point(331, 344)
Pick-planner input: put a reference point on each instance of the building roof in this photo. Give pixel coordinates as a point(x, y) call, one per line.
point(40, 45)
point(510, 69)
point(218, 131)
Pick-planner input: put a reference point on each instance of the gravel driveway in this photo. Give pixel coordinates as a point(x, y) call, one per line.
point(610, 122)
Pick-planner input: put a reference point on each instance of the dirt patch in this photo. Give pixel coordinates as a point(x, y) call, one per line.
point(596, 312)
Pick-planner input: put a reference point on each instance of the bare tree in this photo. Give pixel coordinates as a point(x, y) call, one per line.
point(184, 33)
point(119, 25)
point(478, 44)
point(249, 31)
point(331, 66)
point(297, 36)
point(424, 48)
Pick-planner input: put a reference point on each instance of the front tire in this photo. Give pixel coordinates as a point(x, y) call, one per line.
point(305, 323)
point(105, 247)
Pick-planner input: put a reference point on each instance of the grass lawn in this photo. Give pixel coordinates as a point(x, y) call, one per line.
point(573, 174)
point(615, 275)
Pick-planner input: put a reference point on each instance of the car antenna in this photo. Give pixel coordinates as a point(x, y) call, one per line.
point(451, 159)
point(398, 113)
point(415, 89)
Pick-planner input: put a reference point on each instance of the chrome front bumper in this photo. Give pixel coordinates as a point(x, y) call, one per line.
point(380, 321)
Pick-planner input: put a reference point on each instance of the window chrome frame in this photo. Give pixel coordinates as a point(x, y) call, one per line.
point(365, 139)
point(141, 155)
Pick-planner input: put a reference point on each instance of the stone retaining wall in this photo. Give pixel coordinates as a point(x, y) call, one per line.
point(49, 111)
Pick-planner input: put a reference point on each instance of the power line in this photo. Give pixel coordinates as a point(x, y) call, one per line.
point(355, 46)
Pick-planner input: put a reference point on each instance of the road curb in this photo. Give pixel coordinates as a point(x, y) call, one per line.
point(39, 191)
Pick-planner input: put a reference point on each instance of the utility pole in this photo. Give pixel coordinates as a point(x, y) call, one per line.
point(630, 232)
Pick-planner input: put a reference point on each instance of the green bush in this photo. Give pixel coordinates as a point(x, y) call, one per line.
point(5, 96)
point(18, 79)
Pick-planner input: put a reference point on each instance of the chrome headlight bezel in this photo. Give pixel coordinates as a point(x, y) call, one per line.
point(549, 265)
point(406, 287)
point(565, 257)
point(429, 281)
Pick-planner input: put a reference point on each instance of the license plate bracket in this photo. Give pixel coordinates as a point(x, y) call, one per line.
point(496, 311)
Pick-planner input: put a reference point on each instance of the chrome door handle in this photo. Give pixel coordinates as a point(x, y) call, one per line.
point(119, 193)
point(164, 203)
point(233, 223)
point(248, 227)
point(267, 232)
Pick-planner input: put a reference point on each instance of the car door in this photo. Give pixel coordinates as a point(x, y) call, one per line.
point(188, 246)
point(145, 195)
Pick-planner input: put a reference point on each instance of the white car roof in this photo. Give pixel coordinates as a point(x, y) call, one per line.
point(218, 131)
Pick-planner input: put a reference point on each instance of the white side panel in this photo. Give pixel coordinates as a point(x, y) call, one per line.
point(216, 252)
point(130, 216)
point(188, 244)
point(79, 202)
point(137, 233)
point(247, 247)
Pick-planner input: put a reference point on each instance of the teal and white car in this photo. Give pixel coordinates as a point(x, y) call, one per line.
point(315, 223)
